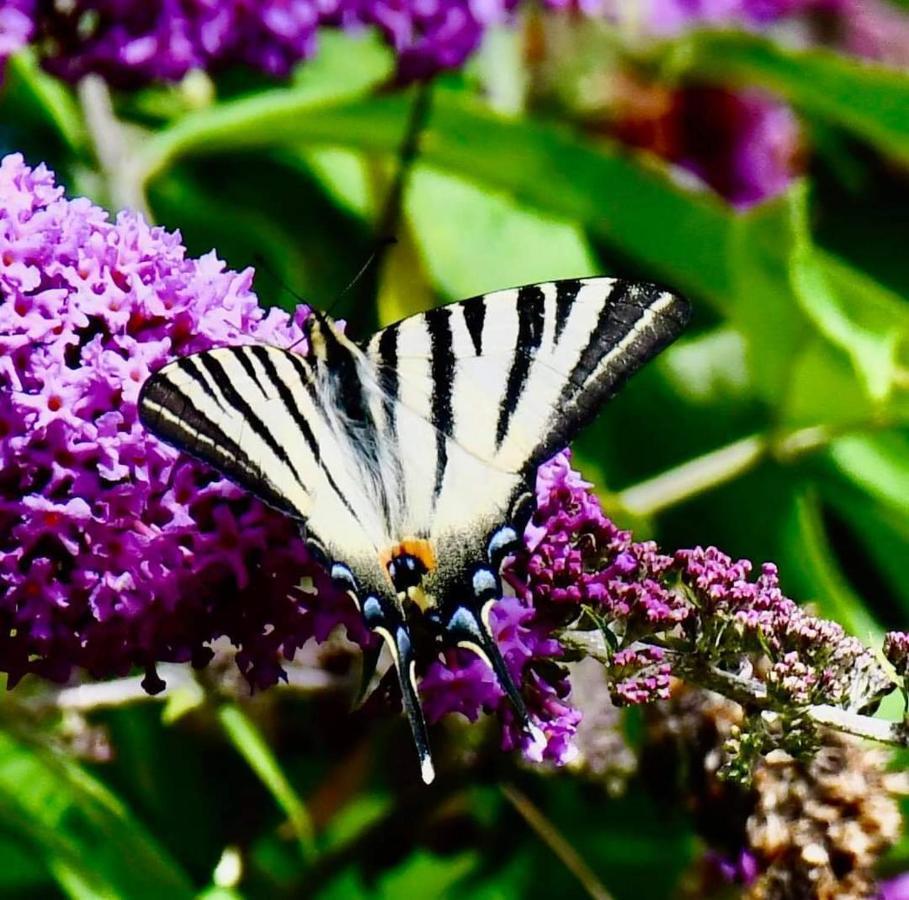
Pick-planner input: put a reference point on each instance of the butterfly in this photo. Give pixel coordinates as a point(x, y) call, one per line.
point(409, 459)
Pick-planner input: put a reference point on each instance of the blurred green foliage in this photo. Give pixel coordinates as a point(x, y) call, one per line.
point(798, 348)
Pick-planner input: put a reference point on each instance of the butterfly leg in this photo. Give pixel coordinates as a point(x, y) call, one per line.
point(385, 618)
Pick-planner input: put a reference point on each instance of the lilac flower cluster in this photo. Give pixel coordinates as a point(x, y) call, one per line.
point(16, 26)
point(428, 36)
point(744, 144)
point(116, 551)
point(896, 649)
point(811, 660)
point(134, 42)
point(131, 43)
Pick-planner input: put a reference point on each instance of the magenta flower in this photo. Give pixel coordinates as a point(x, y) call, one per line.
point(743, 144)
point(115, 551)
point(428, 35)
point(896, 888)
point(17, 22)
point(132, 42)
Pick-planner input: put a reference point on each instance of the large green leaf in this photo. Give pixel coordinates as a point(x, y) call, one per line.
point(632, 203)
point(88, 839)
point(808, 318)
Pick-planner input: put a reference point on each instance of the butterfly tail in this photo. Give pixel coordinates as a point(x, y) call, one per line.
point(467, 629)
point(387, 620)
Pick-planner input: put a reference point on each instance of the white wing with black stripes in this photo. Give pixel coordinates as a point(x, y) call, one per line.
point(408, 456)
point(510, 377)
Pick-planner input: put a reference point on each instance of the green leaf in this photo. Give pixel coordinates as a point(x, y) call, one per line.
point(345, 176)
point(91, 843)
point(765, 310)
point(47, 98)
point(805, 313)
point(676, 234)
point(852, 312)
point(880, 465)
point(813, 575)
point(252, 746)
point(867, 483)
point(346, 67)
point(866, 98)
point(485, 240)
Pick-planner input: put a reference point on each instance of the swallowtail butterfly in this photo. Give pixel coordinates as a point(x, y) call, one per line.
point(410, 458)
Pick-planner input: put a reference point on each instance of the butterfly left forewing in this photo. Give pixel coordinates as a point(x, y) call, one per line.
point(253, 412)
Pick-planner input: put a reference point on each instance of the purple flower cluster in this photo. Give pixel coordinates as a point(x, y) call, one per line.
point(134, 42)
point(131, 43)
point(116, 551)
point(744, 144)
point(16, 26)
point(428, 36)
point(640, 675)
point(811, 660)
point(896, 649)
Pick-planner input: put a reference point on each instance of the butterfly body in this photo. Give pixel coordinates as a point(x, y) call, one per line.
point(410, 457)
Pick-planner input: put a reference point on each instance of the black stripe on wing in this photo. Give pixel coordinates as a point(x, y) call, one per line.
point(240, 404)
point(637, 321)
point(166, 411)
point(442, 370)
point(263, 356)
point(566, 293)
point(531, 313)
point(388, 375)
point(474, 318)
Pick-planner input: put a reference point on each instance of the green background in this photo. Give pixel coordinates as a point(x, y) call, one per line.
point(775, 429)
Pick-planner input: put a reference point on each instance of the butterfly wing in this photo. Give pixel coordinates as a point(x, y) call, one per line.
point(508, 378)
point(480, 393)
point(257, 413)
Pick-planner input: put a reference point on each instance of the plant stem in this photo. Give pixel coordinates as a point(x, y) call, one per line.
point(751, 692)
point(553, 838)
point(674, 486)
point(647, 498)
point(113, 145)
point(246, 737)
point(390, 215)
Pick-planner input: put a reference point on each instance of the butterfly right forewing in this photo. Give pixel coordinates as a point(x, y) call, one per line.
point(511, 376)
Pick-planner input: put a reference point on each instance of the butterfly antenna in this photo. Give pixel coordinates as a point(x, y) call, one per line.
point(381, 245)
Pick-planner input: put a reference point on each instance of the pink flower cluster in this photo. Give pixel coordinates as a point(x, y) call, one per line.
point(116, 551)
